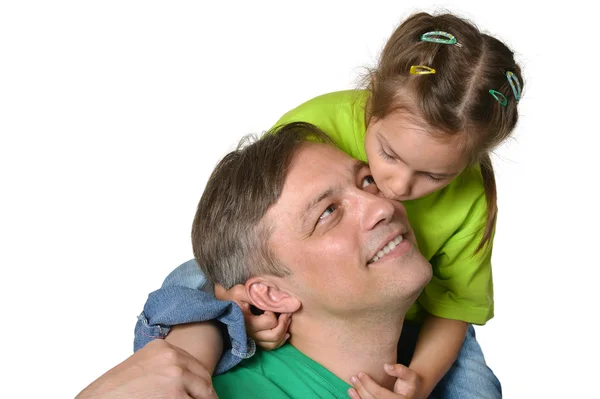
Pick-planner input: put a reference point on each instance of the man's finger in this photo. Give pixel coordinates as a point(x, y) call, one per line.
point(197, 387)
point(191, 364)
point(196, 379)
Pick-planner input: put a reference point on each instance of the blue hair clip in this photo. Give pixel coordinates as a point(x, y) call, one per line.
point(512, 80)
point(499, 97)
point(441, 37)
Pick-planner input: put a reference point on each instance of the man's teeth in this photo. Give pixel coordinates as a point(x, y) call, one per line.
point(386, 249)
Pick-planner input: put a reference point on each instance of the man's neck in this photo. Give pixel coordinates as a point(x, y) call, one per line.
point(347, 347)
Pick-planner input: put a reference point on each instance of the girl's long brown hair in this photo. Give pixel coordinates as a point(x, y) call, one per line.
point(456, 99)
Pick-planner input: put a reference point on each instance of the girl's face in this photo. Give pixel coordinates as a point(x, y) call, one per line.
point(406, 161)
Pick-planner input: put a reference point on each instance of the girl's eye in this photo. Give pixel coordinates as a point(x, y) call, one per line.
point(435, 179)
point(328, 211)
point(367, 181)
point(385, 155)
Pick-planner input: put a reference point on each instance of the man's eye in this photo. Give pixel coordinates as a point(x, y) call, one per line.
point(328, 211)
point(367, 181)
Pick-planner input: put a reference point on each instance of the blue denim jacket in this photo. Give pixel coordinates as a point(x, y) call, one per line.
point(186, 296)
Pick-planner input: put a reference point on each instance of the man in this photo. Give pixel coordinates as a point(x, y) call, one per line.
point(303, 227)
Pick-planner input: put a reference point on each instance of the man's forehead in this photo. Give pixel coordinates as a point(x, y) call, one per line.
point(316, 172)
point(316, 157)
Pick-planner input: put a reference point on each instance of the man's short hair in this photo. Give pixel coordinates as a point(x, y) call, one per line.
point(229, 241)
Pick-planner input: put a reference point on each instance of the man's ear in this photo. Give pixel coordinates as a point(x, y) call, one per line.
point(266, 295)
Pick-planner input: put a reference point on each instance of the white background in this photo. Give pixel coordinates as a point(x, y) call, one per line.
point(113, 113)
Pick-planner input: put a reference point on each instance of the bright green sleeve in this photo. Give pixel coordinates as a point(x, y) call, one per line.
point(340, 115)
point(461, 287)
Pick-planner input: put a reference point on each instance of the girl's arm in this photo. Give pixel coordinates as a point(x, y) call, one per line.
point(437, 348)
point(204, 341)
point(460, 291)
point(185, 313)
point(201, 340)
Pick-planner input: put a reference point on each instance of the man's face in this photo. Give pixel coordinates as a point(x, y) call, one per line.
point(349, 249)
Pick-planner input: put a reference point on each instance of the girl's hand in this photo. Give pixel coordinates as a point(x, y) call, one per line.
point(267, 329)
point(406, 386)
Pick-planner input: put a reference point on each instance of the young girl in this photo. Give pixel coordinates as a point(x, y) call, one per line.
point(442, 96)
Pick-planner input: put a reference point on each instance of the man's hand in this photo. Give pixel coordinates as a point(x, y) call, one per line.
point(158, 370)
point(406, 387)
point(267, 330)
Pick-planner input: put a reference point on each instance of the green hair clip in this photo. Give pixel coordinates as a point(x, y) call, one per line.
point(515, 85)
point(499, 97)
point(441, 37)
point(512, 79)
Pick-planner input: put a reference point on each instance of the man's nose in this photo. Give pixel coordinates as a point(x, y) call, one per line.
point(376, 210)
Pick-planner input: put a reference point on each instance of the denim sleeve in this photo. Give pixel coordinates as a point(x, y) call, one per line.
point(186, 296)
point(189, 275)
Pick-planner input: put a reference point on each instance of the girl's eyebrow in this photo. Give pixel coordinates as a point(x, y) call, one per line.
point(383, 140)
point(387, 144)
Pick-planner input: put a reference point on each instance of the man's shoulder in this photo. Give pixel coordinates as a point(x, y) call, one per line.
point(255, 377)
point(282, 373)
point(246, 380)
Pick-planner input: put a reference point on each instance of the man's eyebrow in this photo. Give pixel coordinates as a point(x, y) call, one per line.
point(315, 201)
point(357, 166)
point(355, 169)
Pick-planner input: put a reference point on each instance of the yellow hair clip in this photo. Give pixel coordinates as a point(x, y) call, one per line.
point(421, 70)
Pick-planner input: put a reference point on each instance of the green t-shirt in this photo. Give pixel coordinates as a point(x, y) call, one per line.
point(448, 223)
point(283, 373)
